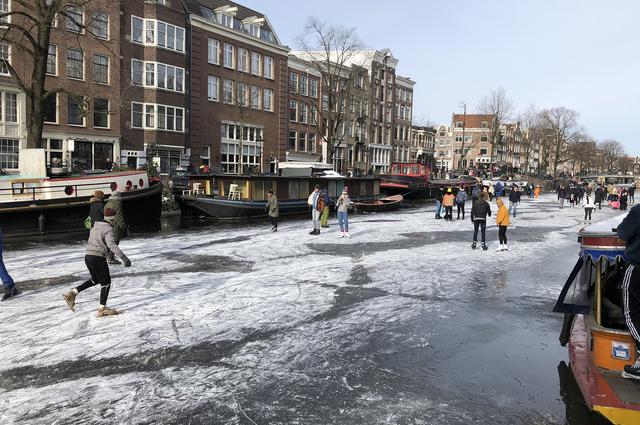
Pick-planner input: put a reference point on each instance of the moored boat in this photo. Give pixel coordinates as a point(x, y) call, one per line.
point(387, 203)
point(599, 342)
point(413, 180)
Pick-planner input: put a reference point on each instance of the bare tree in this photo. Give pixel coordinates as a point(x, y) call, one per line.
point(332, 51)
point(612, 153)
point(532, 133)
point(500, 107)
point(562, 128)
point(27, 27)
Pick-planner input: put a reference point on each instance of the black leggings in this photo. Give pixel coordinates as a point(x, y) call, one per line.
point(99, 270)
point(502, 234)
point(448, 214)
point(587, 213)
point(483, 226)
point(631, 301)
point(274, 221)
point(461, 208)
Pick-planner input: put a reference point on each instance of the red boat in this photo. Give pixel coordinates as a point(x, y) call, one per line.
point(413, 180)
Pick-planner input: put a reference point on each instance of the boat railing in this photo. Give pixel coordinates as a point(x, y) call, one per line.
point(26, 190)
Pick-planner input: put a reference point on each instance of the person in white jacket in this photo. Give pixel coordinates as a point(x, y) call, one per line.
point(588, 202)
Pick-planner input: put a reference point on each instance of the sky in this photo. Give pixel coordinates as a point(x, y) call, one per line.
point(581, 54)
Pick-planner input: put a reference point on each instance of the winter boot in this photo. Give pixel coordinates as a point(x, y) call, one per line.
point(632, 371)
point(70, 298)
point(106, 311)
point(484, 247)
point(313, 232)
point(473, 245)
point(9, 292)
point(500, 248)
point(346, 235)
point(341, 234)
point(505, 248)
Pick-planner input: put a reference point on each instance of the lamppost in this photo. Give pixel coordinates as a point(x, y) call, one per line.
point(464, 126)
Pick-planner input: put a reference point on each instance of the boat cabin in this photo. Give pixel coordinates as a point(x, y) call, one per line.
point(413, 169)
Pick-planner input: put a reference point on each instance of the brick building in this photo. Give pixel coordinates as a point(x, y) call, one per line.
point(474, 128)
point(423, 145)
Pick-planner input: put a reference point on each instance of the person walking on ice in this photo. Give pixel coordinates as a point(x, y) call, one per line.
point(589, 206)
point(316, 202)
point(343, 203)
point(273, 210)
point(8, 283)
point(100, 244)
point(479, 212)
point(461, 198)
point(502, 221)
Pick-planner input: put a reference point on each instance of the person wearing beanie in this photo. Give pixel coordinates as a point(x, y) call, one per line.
point(96, 207)
point(10, 289)
point(119, 223)
point(461, 198)
point(343, 203)
point(447, 203)
point(502, 221)
point(101, 242)
point(479, 212)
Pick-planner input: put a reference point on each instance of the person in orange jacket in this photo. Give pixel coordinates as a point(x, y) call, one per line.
point(502, 220)
point(447, 203)
point(537, 191)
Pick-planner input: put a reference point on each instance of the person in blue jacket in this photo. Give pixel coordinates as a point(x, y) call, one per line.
point(629, 231)
point(8, 283)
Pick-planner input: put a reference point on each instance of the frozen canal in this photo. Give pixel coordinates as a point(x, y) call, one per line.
point(401, 324)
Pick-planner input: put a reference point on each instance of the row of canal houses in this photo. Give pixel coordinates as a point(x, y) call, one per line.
point(195, 82)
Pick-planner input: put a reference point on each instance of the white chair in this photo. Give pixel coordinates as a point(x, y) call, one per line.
point(197, 189)
point(234, 192)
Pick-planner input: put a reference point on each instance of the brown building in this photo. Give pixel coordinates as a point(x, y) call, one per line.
point(473, 129)
point(238, 88)
point(154, 79)
point(304, 102)
point(82, 114)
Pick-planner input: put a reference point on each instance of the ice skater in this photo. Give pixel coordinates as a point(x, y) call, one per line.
point(514, 200)
point(316, 203)
point(502, 221)
point(461, 198)
point(343, 203)
point(101, 242)
point(10, 289)
point(447, 202)
point(273, 210)
point(629, 231)
point(324, 217)
point(479, 212)
point(589, 206)
point(119, 224)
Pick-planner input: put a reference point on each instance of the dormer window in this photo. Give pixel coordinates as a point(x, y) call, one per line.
point(225, 15)
point(458, 124)
point(483, 124)
point(252, 25)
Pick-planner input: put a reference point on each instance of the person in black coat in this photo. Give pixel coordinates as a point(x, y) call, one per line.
point(624, 197)
point(479, 212)
point(599, 195)
point(514, 200)
point(96, 207)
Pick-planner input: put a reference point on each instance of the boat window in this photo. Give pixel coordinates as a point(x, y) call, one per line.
point(333, 191)
point(376, 188)
point(339, 186)
point(259, 191)
point(17, 188)
point(304, 190)
point(294, 189)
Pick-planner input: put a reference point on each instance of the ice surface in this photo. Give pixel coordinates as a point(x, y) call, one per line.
point(235, 325)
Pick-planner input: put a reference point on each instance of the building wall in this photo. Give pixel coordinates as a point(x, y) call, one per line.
point(303, 137)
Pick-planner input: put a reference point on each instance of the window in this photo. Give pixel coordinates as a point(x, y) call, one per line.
point(483, 151)
point(256, 59)
point(303, 113)
point(243, 60)
point(311, 142)
point(9, 153)
point(224, 19)
point(10, 107)
point(51, 109)
point(484, 138)
point(267, 99)
point(213, 51)
point(228, 55)
point(205, 154)
point(75, 19)
point(302, 141)
point(483, 124)
point(52, 60)
point(137, 72)
point(101, 69)
point(304, 85)
point(229, 155)
point(100, 27)
point(268, 67)
point(227, 91)
point(293, 111)
point(157, 75)
point(213, 84)
point(292, 140)
point(243, 94)
point(101, 113)
point(458, 124)
point(5, 50)
point(4, 8)
point(255, 97)
point(157, 33)
point(293, 83)
point(75, 64)
point(75, 114)
point(325, 102)
point(151, 116)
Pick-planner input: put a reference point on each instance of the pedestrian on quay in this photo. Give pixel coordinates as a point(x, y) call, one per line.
point(324, 217)
point(316, 203)
point(101, 242)
point(514, 200)
point(461, 198)
point(439, 196)
point(273, 210)
point(599, 196)
point(118, 223)
point(448, 201)
point(629, 231)
point(589, 206)
point(624, 199)
point(502, 221)
point(10, 289)
point(343, 203)
point(632, 192)
point(475, 193)
point(96, 207)
point(479, 212)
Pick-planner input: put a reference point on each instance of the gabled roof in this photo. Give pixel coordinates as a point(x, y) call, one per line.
point(472, 120)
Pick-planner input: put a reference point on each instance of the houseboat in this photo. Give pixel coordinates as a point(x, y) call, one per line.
point(37, 203)
point(227, 197)
point(598, 339)
point(413, 180)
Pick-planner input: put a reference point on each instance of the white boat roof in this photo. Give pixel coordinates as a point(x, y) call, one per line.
point(604, 226)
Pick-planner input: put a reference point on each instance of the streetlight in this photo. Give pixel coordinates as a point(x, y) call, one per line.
point(463, 105)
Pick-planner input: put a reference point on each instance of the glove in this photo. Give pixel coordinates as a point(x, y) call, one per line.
point(126, 261)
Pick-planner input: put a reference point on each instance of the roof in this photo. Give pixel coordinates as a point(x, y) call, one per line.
point(471, 120)
point(194, 7)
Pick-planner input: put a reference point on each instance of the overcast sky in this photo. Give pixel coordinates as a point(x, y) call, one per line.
point(582, 54)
